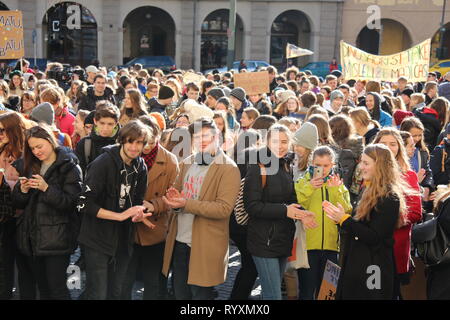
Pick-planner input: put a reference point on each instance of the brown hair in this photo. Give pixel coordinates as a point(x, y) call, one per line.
point(5, 88)
point(316, 109)
point(323, 128)
point(308, 99)
point(21, 85)
point(341, 129)
point(133, 131)
point(14, 128)
point(137, 103)
point(410, 123)
point(51, 95)
point(252, 113)
point(441, 106)
point(373, 86)
point(32, 165)
point(27, 95)
point(361, 115)
point(105, 109)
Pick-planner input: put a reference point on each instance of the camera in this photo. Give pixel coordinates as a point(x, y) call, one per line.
point(65, 74)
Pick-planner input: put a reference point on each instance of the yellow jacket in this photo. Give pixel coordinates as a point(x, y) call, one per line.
point(326, 235)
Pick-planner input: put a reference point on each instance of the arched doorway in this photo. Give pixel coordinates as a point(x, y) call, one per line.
point(214, 41)
point(436, 43)
point(148, 31)
point(70, 34)
point(289, 27)
point(393, 37)
point(3, 7)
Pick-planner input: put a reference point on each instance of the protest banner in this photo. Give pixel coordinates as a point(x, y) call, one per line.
point(192, 77)
point(252, 82)
point(11, 35)
point(329, 282)
point(412, 63)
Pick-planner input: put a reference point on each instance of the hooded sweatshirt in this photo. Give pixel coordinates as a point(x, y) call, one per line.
point(378, 114)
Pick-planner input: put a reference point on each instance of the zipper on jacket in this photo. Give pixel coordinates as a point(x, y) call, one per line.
point(323, 219)
point(271, 232)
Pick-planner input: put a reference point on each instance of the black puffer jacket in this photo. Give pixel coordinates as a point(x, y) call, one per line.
point(49, 224)
point(103, 184)
point(270, 231)
point(90, 99)
point(430, 119)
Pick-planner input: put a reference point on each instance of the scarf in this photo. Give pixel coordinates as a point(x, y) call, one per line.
point(150, 157)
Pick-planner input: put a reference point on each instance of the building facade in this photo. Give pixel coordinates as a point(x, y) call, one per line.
point(193, 32)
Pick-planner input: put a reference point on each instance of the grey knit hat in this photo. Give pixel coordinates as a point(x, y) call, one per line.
point(336, 94)
point(307, 136)
point(216, 93)
point(238, 93)
point(43, 113)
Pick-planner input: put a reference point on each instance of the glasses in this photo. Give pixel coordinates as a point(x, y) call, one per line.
point(2, 131)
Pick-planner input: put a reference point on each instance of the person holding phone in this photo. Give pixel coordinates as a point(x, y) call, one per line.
point(48, 227)
point(318, 185)
point(272, 211)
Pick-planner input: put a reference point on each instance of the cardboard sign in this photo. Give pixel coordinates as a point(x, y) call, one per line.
point(252, 82)
point(192, 77)
point(11, 35)
point(329, 282)
point(412, 64)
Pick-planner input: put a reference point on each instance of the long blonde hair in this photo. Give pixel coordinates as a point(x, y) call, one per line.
point(386, 181)
point(402, 156)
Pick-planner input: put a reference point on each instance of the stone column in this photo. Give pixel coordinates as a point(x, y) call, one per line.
point(260, 37)
point(109, 34)
point(185, 36)
point(28, 8)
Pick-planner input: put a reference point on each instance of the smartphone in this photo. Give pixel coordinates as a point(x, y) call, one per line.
point(318, 172)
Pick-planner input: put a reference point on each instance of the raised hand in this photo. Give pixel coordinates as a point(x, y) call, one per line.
point(335, 181)
point(335, 213)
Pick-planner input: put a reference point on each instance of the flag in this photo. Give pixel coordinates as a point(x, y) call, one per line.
point(294, 51)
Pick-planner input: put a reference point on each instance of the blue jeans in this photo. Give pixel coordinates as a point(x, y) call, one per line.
point(310, 280)
point(270, 271)
point(180, 272)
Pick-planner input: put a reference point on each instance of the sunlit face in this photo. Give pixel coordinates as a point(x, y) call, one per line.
point(3, 136)
point(370, 101)
point(391, 143)
point(367, 166)
point(300, 151)
point(332, 84)
point(182, 122)
point(41, 148)
point(100, 85)
point(205, 140)
point(105, 126)
point(28, 104)
point(406, 99)
point(305, 87)
point(132, 150)
point(193, 94)
point(210, 101)
point(75, 88)
point(246, 121)
point(151, 144)
point(127, 101)
point(16, 80)
point(359, 86)
point(152, 92)
point(219, 123)
point(324, 162)
point(417, 134)
point(78, 125)
point(221, 107)
point(278, 144)
point(410, 147)
point(337, 103)
point(292, 105)
point(325, 93)
point(254, 98)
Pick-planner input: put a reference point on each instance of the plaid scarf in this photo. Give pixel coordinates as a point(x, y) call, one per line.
point(150, 157)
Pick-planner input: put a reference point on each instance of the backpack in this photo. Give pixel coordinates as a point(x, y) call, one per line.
point(432, 243)
point(346, 166)
point(239, 209)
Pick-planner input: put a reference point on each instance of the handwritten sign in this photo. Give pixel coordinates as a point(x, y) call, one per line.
point(252, 82)
point(192, 77)
point(412, 63)
point(329, 282)
point(11, 35)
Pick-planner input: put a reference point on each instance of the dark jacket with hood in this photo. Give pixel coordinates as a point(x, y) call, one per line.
point(270, 231)
point(440, 163)
point(430, 119)
point(155, 106)
point(90, 99)
point(263, 106)
point(49, 224)
point(245, 104)
point(384, 118)
point(106, 178)
point(97, 144)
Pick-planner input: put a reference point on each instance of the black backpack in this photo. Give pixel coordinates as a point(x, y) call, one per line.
point(346, 166)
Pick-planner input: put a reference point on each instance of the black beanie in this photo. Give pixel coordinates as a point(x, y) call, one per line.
point(90, 118)
point(165, 92)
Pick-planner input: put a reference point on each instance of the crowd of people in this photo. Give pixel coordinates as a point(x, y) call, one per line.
point(150, 178)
